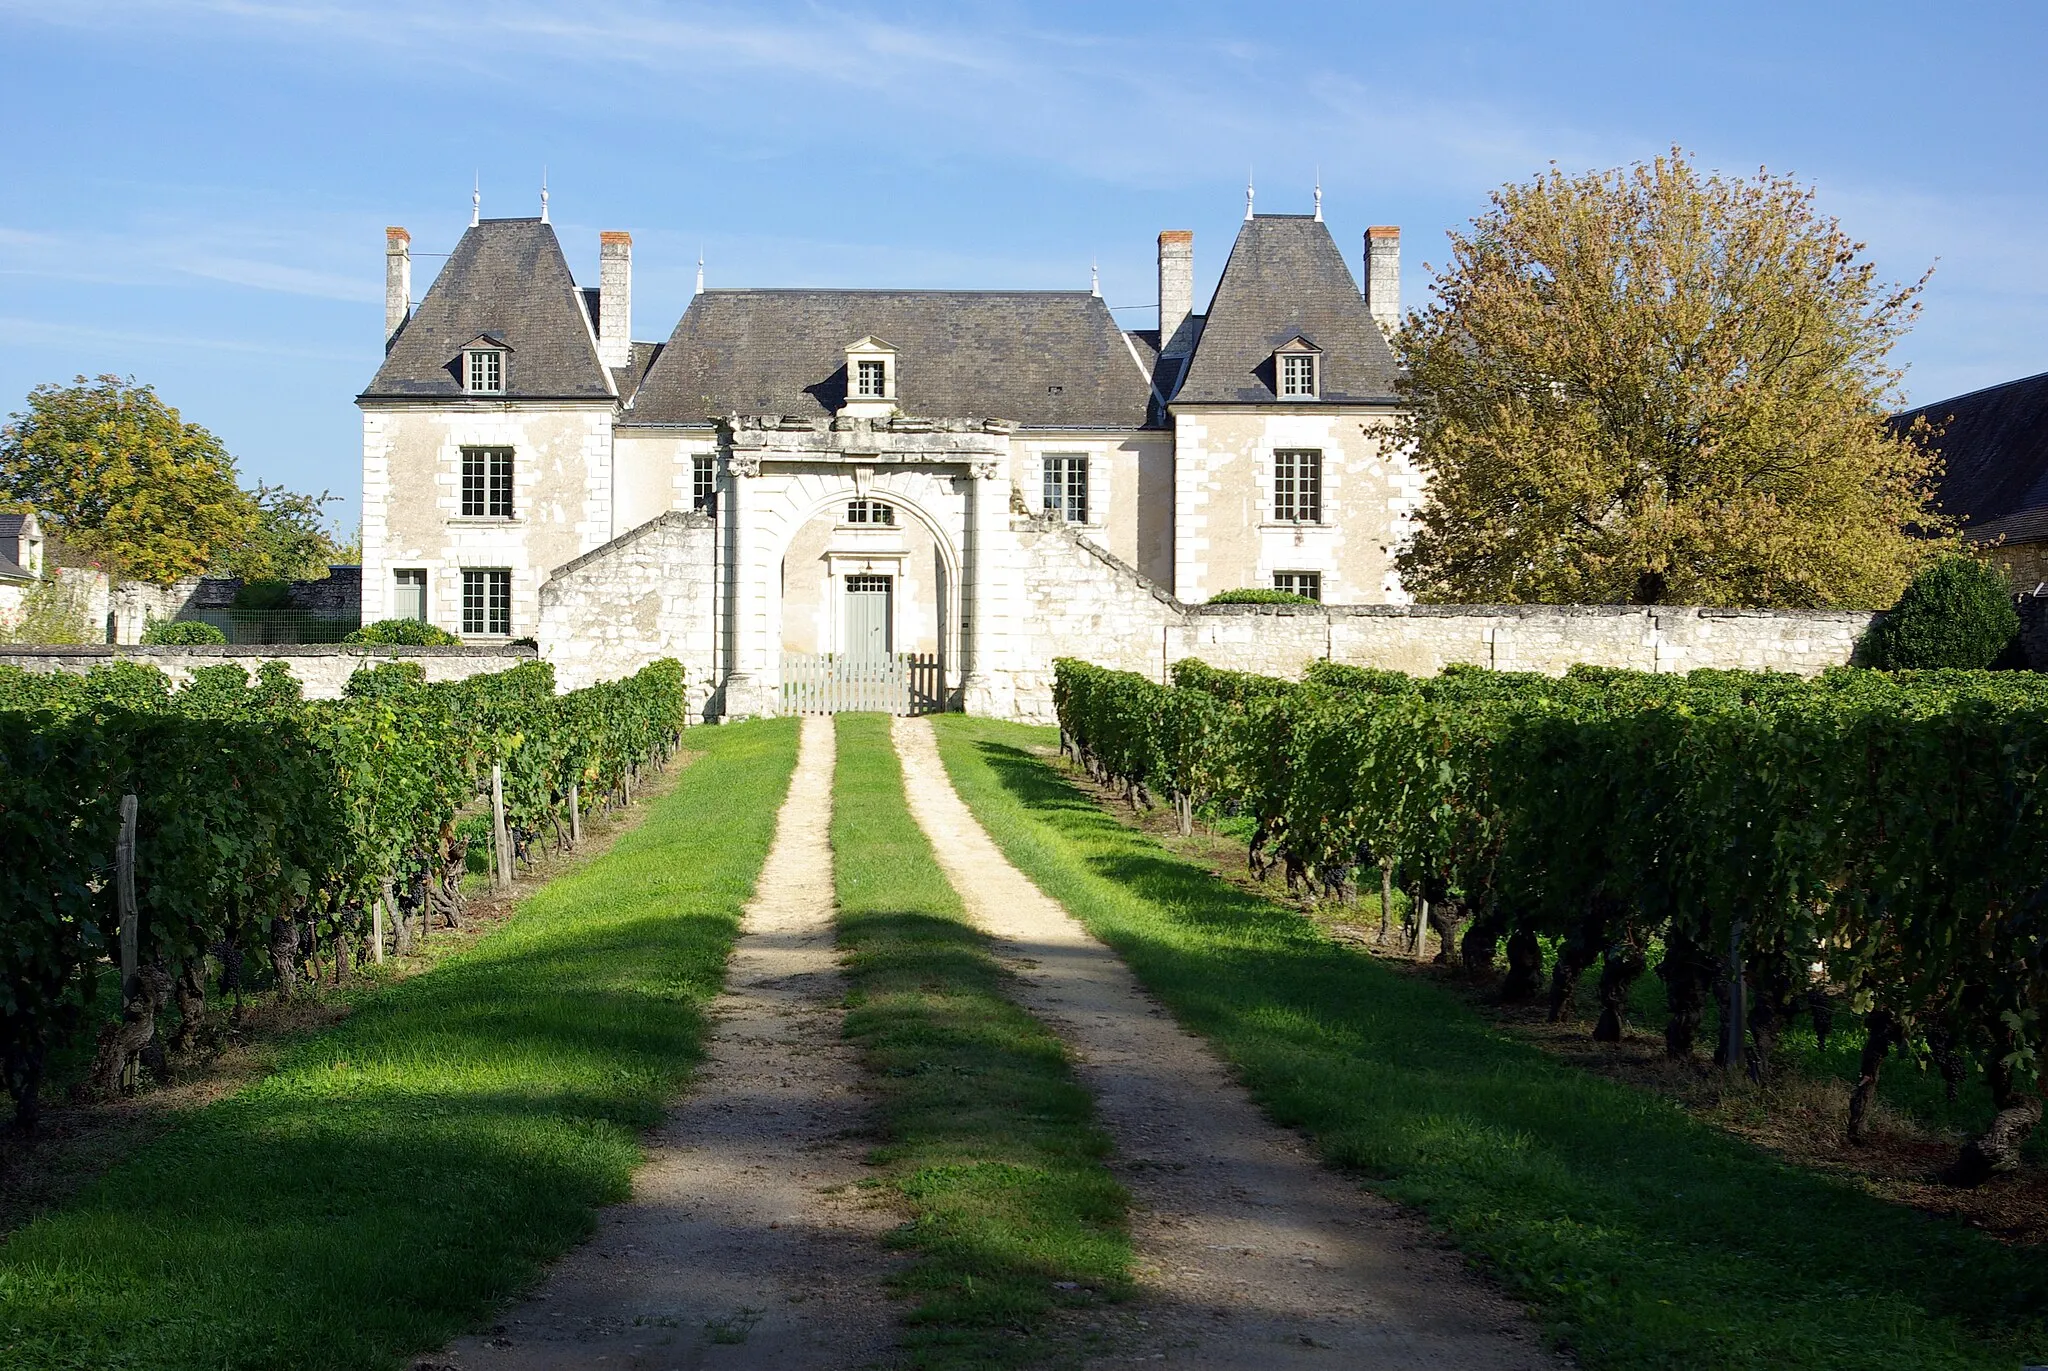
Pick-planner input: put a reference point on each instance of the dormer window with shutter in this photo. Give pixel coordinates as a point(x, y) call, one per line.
point(483, 365)
point(870, 379)
point(1297, 370)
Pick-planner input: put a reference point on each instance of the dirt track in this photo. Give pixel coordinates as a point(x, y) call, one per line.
point(1253, 1255)
point(743, 1245)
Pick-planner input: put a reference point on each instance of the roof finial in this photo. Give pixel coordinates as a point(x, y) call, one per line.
point(543, 192)
point(1095, 280)
point(476, 200)
point(1319, 195)
point(700, 271)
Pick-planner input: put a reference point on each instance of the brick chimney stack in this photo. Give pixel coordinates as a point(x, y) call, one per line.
point(615, 298)
point(397, 282)
point(1383, 276)
point(1176, 291)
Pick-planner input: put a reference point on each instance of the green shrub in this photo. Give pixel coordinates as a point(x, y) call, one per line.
point(403, 633)
point(181, 633)
point(1259, 595)
point(1956, 613)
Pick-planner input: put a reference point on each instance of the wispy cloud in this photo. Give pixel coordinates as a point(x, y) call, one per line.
point(22, 332)
point(156, 253)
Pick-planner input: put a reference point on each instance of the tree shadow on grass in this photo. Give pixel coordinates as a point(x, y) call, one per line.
point(1605, 1203)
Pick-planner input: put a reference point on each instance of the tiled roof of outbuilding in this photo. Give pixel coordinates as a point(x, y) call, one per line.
point(1286, 279)
point(506, 277)
point(1995, 450)
point(1044, 359)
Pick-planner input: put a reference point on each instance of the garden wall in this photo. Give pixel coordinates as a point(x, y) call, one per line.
point(1082, 602)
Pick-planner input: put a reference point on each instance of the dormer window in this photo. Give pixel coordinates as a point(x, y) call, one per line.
point(483, 366)
point(1298, 374)
point(870, 380)
point(1298, 365)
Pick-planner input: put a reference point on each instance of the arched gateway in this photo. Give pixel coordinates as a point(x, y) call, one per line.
point(858, 574)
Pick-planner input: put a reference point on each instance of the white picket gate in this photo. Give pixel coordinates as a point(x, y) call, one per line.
point(884, 683)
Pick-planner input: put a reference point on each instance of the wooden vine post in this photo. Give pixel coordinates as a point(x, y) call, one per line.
point(575, 814)
point(500, 839)
point(1732, 1029)
point(377, 929)
point(124, 893)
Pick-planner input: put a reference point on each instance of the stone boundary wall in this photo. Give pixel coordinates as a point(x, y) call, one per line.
point(321, 668)
point(649, 593)
point(1085, 603)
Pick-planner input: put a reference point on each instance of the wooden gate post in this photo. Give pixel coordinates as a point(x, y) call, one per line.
point(124, 895)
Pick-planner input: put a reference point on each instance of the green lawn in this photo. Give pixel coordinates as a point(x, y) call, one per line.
point(1644, 1238)
point(404, 1171)
point(988, 1139)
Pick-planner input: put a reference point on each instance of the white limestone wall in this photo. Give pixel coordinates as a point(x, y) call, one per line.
point(653, 470)
point(1081, 602)
point(647, 594)
point(322, 669)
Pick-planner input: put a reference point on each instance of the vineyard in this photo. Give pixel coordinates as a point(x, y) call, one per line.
point(1864, 844)
point(169, 838)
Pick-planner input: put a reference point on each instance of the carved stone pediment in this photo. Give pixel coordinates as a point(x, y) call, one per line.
point(889, 441)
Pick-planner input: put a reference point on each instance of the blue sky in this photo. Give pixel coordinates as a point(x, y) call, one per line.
point(194, 191)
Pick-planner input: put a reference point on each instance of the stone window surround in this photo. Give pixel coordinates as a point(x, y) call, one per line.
point(1100, 488)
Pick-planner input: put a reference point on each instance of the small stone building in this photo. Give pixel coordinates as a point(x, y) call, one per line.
point(978, 479)
point(1994, 448)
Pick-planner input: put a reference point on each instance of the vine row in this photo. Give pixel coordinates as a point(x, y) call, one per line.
point(1866, 841)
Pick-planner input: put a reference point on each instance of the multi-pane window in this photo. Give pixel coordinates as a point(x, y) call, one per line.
point(487, 603)
point(1066, 487)
point(486, 371)
point(409, 593)
point(1297, 373)
point(871, 379)
point(487, 482)
point(1309, 583)
point(1298, 487)
point(870, 512)
point(703, 483)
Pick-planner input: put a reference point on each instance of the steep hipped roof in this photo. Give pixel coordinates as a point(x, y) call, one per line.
point(507, 277)
point(1995, 450)
point(1044, 359)
point(1286, 279)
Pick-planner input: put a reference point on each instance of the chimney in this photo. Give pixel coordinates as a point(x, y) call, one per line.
point(615, 298)
point(397, 282)
point(1383, 276)
point(1176, 290)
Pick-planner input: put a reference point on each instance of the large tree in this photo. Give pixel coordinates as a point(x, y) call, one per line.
point(1657, 386)
point(120, 476)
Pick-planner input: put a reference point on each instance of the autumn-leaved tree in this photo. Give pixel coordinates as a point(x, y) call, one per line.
point(120, 476)
point(1659, 386)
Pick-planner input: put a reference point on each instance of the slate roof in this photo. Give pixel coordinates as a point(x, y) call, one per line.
point(1286, 278)
point(506, 277)
point(11, 568)
point(1043, 359)
point(1995, 450)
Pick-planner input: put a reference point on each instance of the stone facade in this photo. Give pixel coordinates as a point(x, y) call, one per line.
point(321, 668)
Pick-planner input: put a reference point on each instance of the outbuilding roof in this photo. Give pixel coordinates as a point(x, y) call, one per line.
point(1286, 280)
point(1994, 447)
point(507, 279)
point(1043, 359)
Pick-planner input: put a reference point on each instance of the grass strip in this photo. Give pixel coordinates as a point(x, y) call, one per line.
point(988, 1138)
point(404, 1171)
point(1643, 1237)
